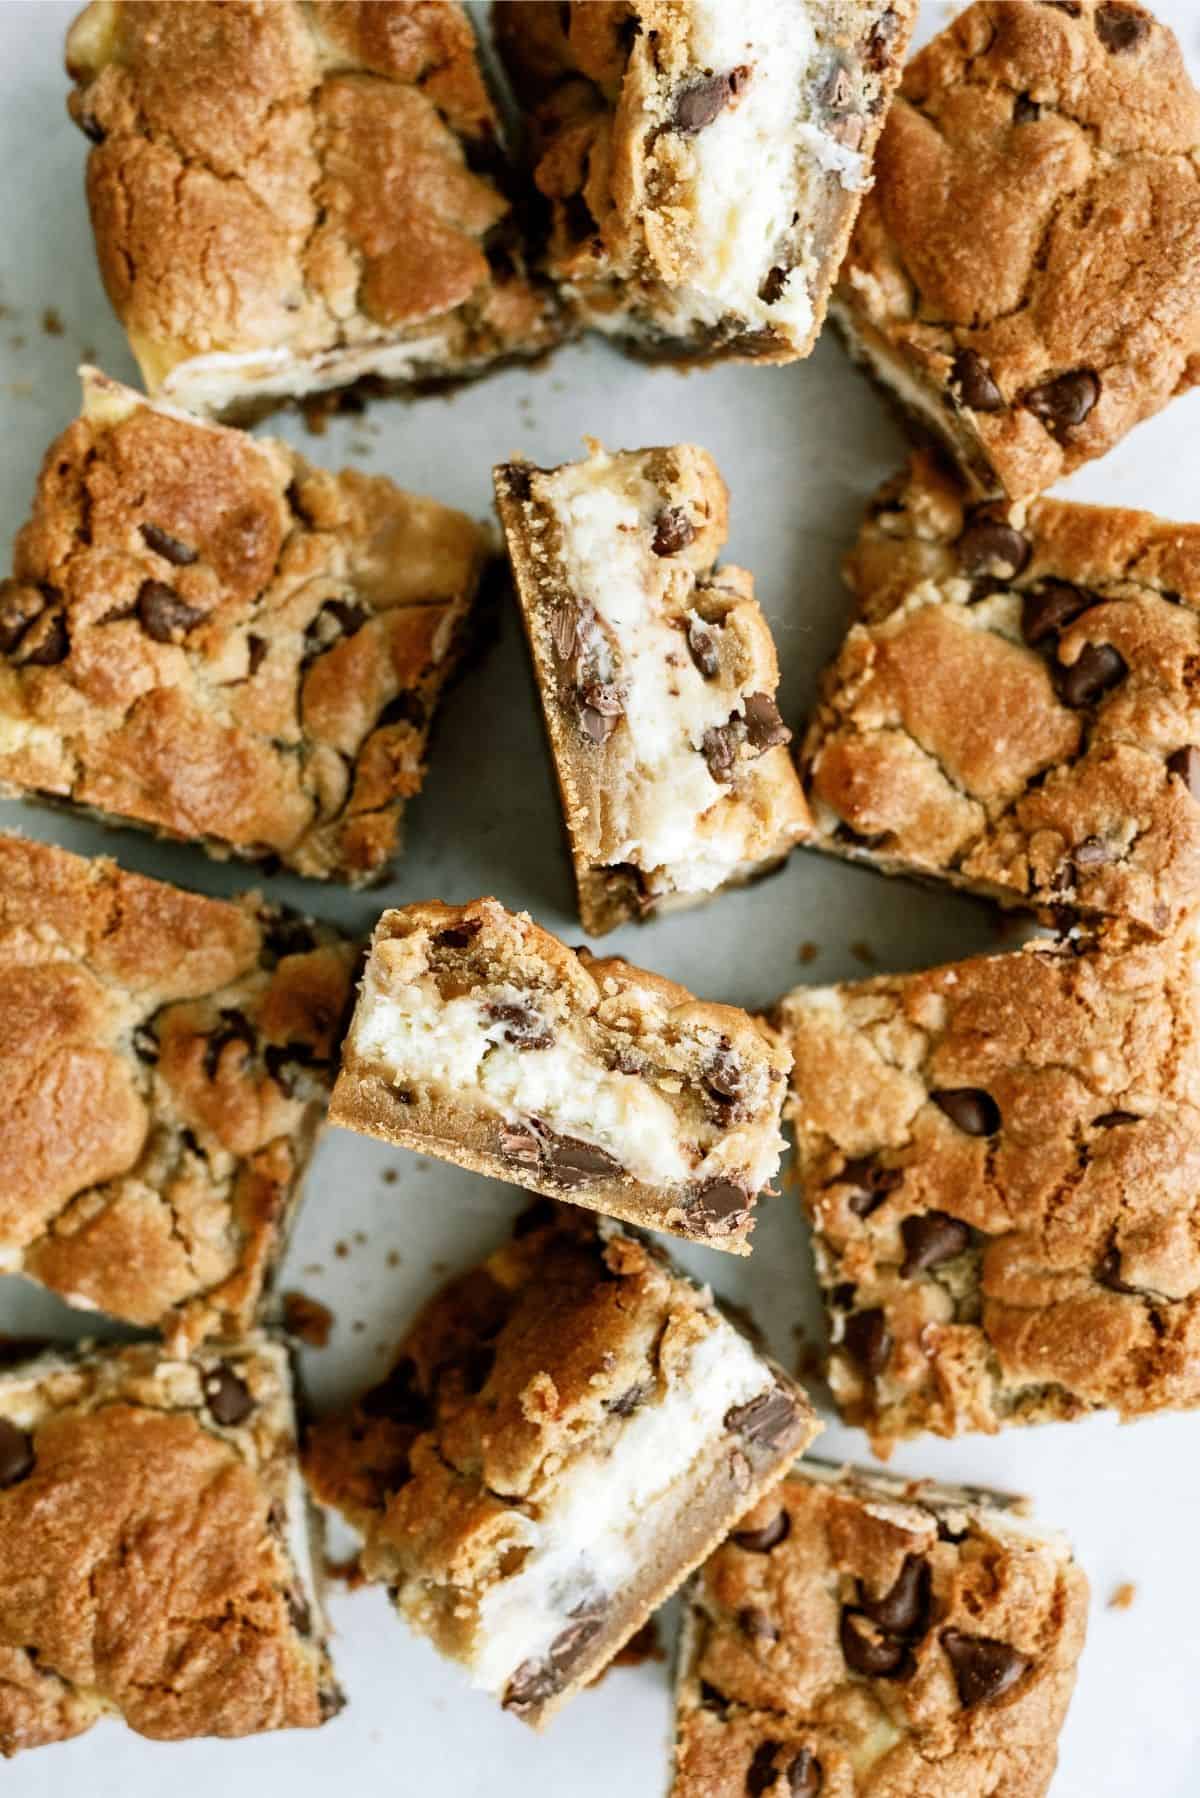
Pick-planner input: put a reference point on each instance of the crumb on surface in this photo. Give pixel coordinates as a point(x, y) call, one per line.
point(341, 1250)
point(1122, 1596)
point(307, 1318)
point(393, 1258)
point(862, 951)
point(807, 952)
point(390, 1176)
point(52, 323)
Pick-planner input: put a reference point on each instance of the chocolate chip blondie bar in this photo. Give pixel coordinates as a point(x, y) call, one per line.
point(657, 675)
point(155, 1562)
point(1025, 275)
point(480, 1038)
point(1014, 710)
point(568, 1430)
point(860, 1636)
point(208, 638)
point(1000, 1167)
point(165, 1061)
point(292, 198)
point(702, 163)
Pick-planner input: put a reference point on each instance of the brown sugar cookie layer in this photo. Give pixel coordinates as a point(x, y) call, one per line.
point(999, 1161)
point(165, 1060)
point(860, 1636)
point(292, 198)
point(206, 637)
point(1024, 276)
point(657, 676)
point(155, 1562)
point(1015, 708)
point(481, 1038)
point(567, 1431)
point(702, 163)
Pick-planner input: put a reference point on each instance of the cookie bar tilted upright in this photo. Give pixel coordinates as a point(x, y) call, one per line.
point(657, 675)
point(568, 1430)
point(1025, 274)
point(1001, 1162)
point(701, 162)
point(1015, 709)
point(292, 198)
point(206, 637)
point(165, 1061)
point(155, 1561)
point(861, 1636)
point(480, 1038)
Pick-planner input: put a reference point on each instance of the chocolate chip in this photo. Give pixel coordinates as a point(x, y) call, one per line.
point(975, 1112)
point(1050, 607)
point(984, 1669)
point(1121, 28)
point(1186, 764)
point(256, 650)
point(518, 477)
point(235, 1028)
point(283, 1059)
point(227, 1396)
point(773, 284)
point(930, 1239)
point(163, 614)
point(1065, 402)
point(719, 748)
point(601, 704)
point(867, 1338)
point(519, 1144)
point(564, 631)
point(45, 643)
point(866, 1650)
point(762, 1541)
point(723, 1076)
point(630, 1400)
point(880, 40)
point(298, 1612)
point(1093, 852)
point(523, 1028)
point(1108, 1272)
point(532, 1684)
point(702, 101)
point(760, 1774)
point(1109, 1119)
point(903, 1608)
point(702, 645)
point(1096, 670)
point(336, 619)
point(804, 1776)
point(16, 1453)
point(757, 1625)
point(170, 548)
point(871, 1184)
point(764, 1421)
point(458, 936)
point(673, 531)
point(765, 729)
point(971, 379)
point(717, 1207)
point(573, 1163)
point(1026, 110)
point(569, 1646)
point(20, 604)
point(989, 546)
point(843, 1295)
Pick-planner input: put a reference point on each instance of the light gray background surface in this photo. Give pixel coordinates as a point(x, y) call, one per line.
point(801, 449)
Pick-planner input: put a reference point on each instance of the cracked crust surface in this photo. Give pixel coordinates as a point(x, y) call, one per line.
point(480, 1038)
point(289, 197)
point(166, 1060)
point(617, 94)
point(1000, 1163)
point(1025, 275)
point(865, 1637)
point(209, 638)
point(658, 678)
point(1082, 626)
point(534, 1367)
point(154, 1562)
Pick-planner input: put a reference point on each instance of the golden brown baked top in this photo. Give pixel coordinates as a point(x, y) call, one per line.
point(1031, 248)
point(145, 1565)
point(165, 1059)
point(999, 1158)
point(858, 1637)
point(1081, 626)
point(205, 636)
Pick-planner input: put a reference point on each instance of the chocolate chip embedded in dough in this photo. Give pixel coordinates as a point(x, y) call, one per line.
point(773, 284)
point(756, 1624)
point(16, 1453)
point(805, 1777)
point(164, 614)
point(878, 46)
point(1050, 607)
point(762, 1541)
point(227, 1396)
point(702, 646)
point(1064, 402)
point(629, 1401)
point(765, 728)
point(984, 1669)
point(698, 104)
point(1096, 670)
point(1120, 28)
point(971, 379)
point(673, 531)
point(990, 546)
point(520, 1145)
point(719, 747)
point(601, 704)
point(1026, 110)
point(969, 1108)
point(871, 1184)
point(234, 1027)
point(20, 604)
point(573, 1163)
point(867, 1339)
point(765, 1420)
point(929, 1239)
point(903, 1608)
point(867, 1650)
point(761, 1773)
point(717, 1208)
point(180, 555)
point(458, 936)
point(522, 1026)
point(46, 643)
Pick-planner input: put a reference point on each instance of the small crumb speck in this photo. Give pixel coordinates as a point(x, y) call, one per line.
point(393, 1258)
point(341, 1250)
point(52, 323)
point(358, 1326)
point(360, 1236)
point(863, 952)
point(807, 952)
point(390, 1176)
point(1123, 1596)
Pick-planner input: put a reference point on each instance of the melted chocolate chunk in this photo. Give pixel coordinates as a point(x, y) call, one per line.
point(719, 748)
point(698, 104)
point(282, 1061)
point(227, 1396)
point(869, 1651)
point(600, 705)
point(973, 1111)
point(983, 1668)
point(46, 643)
point(458, 936)
point(16, 1453)
point(868, 1340)
point(717, 1208)
point(723, 1076)
point(1108, 1273)
point(536, 1681)
point(522, 1026)
point(1064, 402)
point(673, 531)
point(765, 728)
point(1050, 607)
point(1121, 28)
point(1096, 670)
point(904, 1608)
point(564, 631)
point(164, 614)
point(19, 606)
point(761, 1773)
point(574, 1163)
point(181, 555)
point(971, 379)
point(871, 1184)
point(763, 1421)
point(929, 1239)
point(762, 1541)
point(702, 646)
point(336, 619)
point(772, 285)
point(520, 1145)
point(990, 546)
point(1026, 110)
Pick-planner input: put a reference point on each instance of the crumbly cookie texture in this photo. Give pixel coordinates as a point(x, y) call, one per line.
point(1025, 275)
point(155, 1560)
point(657, 674)
point(702, 164)
point(1015, 710)
point(480, 1038)
point(1000, 1166)
point(165, 1060)
point(208, 638)
point(568, 1430)
point(860, 1636)
point(292, 198)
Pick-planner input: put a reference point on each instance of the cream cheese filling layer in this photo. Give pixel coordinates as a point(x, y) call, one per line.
point(213, 382)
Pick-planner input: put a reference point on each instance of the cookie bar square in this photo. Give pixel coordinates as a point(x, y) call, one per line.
point(862, 1636)
point(657, 676)
point(293, 198)
point(702, 163)
point(155, 1559)
point(165, 1060)
point(1024, 276)
point(568, 1430)
point(208, 638)
point(1014, 710)
point(1000, 1163)
point(480, 1038)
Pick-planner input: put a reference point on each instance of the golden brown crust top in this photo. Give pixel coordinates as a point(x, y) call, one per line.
point(1000, 1159)
point(208, 637)
point(165, 1059)
point(1082, 624)
point(1031, 248)
point(791, 1686)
